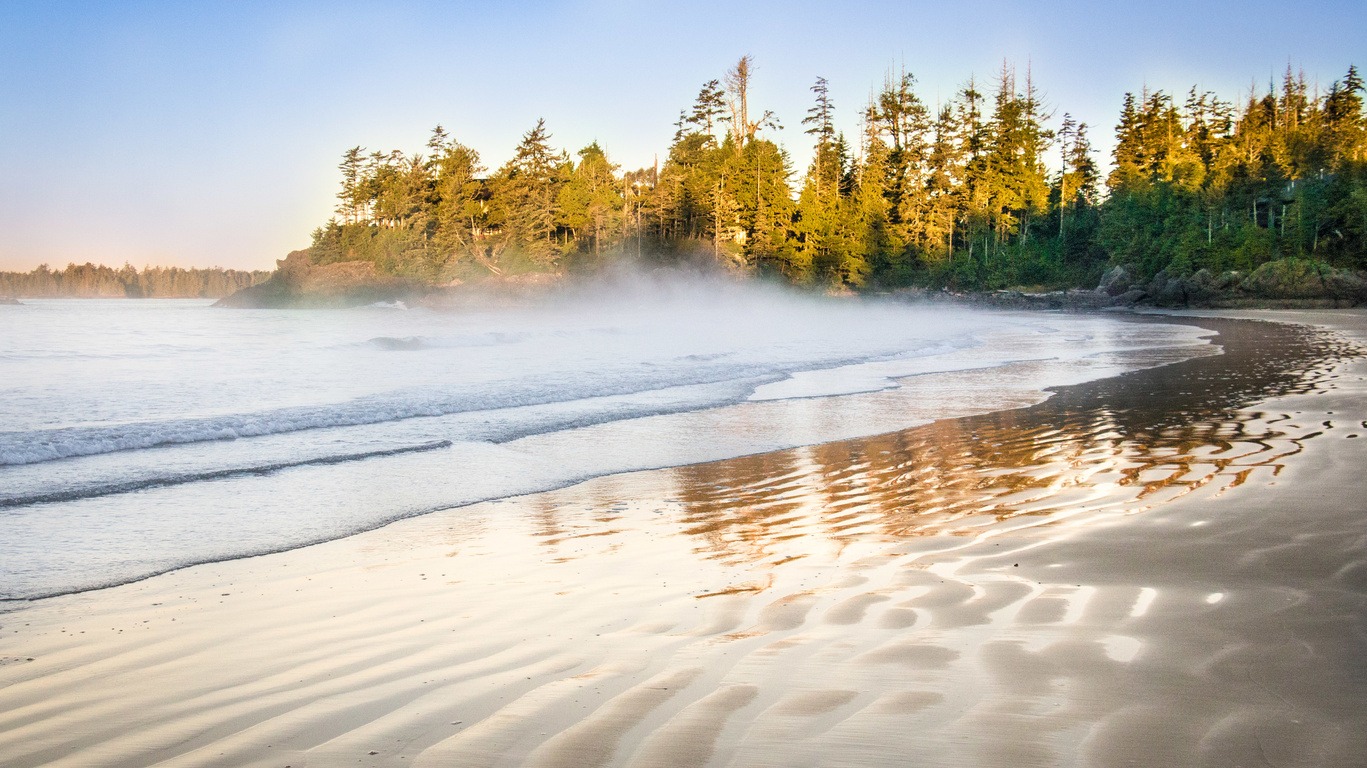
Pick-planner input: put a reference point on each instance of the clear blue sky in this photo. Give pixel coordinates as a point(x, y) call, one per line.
point(198, 133)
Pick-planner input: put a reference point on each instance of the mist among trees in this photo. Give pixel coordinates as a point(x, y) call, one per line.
point(961, 194)
point(992, 189)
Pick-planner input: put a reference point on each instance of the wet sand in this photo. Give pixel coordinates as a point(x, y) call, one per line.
point(1165, 568)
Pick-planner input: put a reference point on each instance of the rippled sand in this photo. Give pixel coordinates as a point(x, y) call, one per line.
point(1167, 568)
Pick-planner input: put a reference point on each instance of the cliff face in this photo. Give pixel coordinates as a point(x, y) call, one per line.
point(298, 282)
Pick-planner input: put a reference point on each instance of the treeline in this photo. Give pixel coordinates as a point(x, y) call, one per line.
point(959, 195)
point(92, 281)
point(1206, 184)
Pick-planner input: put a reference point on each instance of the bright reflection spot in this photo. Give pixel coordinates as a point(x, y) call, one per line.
point(1198, 523)
point(1077, 605)
point(1121, 648)
point(1215, 597)
point(1142, 603)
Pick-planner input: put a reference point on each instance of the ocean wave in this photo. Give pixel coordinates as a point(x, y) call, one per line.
point(409, 343)
point(392, 344)
point(37, 446)
point(161, 481)
point(98, 476)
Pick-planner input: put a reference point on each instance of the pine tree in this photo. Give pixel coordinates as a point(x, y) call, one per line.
point(1016, 174)
point(707, 108)
point(350, 167)
point(1126, 165)
point(876, 241)
point(460, 213)
point(902, 118)
point(943, 188)
point(824, 247)
point(820, 118)
point(590, 203)
point(1084, 187)
point(522, 203)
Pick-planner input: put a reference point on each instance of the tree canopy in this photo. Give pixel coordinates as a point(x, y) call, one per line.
point(989, 189)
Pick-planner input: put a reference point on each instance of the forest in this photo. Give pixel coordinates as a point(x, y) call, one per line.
point(989, 190)
point(91, 281)
point(963, 196)
point(993, 189)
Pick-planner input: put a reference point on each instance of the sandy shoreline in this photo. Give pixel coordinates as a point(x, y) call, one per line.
point(1168, 568)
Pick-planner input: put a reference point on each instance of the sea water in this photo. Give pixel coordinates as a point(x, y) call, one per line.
point(139, 436)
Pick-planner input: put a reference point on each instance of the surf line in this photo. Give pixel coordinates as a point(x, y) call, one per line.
point(219, 474)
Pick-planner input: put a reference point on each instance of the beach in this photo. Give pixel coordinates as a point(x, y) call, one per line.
point(1162, 567)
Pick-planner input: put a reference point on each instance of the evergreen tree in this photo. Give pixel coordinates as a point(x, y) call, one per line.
point(460, 206)
point(876, 240)
point(523, 197)
point(824, 248)
point(709, 106)
point(351, 176)
point(945, 170)
point(590, 202)
point(959, 196)
point(821, 121)
point(903, 120)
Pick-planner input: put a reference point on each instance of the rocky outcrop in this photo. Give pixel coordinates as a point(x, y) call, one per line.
point(1281, 283)
point(1300, 280)
point(1290, 283)
point(1115, 282)
point(298, 282)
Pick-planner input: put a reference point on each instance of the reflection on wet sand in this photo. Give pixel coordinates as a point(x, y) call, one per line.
point(1119, 446)
point(877, 602)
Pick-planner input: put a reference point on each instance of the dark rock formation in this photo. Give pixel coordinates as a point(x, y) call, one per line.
point(1298, 279)
point(1282, 283)
point(1289, 283)
point(1115, 282)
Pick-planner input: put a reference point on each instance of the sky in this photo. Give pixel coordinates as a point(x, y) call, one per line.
point(208, 134)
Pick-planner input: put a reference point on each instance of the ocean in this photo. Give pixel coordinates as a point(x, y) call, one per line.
point(141, 436)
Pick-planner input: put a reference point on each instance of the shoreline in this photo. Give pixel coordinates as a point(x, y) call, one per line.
point(938, 380)
point(802, 612)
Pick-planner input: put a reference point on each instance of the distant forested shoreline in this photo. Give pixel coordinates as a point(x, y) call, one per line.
point(1207, 199)
point(99, 281)
point(961, 196)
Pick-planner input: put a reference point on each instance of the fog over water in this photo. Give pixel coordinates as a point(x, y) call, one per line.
point(141, 436)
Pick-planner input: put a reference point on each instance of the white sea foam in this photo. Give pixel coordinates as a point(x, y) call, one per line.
point(144, 436)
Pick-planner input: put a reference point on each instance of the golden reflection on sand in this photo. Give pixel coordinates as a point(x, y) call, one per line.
point(1062, 459)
